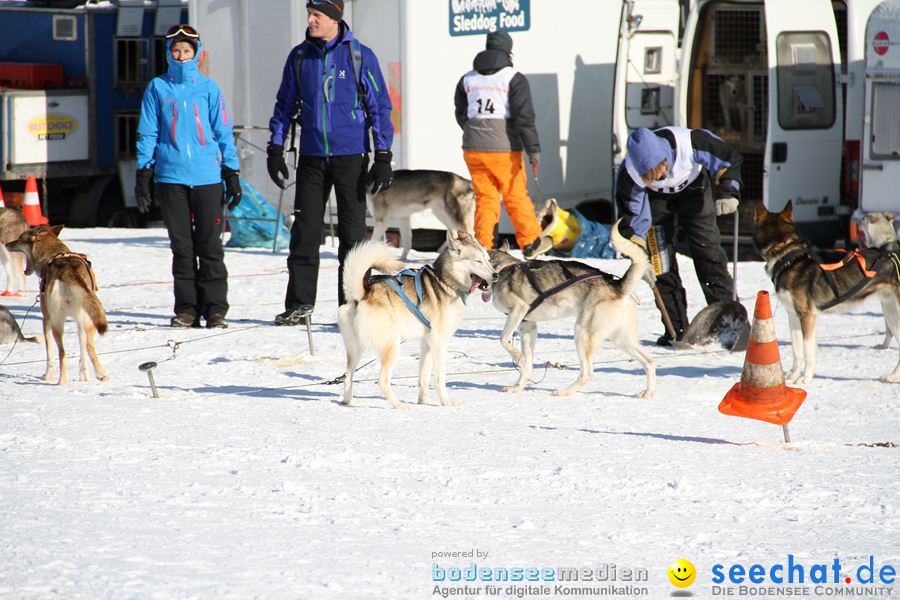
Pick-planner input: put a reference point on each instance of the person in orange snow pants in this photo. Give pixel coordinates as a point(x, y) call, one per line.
point(495, 111)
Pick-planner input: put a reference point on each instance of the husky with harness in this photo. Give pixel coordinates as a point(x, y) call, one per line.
point(534, 291)
point(809, 281)
point(68, 289)
point(383, 310)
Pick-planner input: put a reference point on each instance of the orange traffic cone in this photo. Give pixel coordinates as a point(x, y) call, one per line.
point(761, 393)
point(2, 203)
point(31, 208)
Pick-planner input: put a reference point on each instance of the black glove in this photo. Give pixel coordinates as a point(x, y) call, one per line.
point(380, 175)
point(142, 180)
point(276, 165)
point(233, 192)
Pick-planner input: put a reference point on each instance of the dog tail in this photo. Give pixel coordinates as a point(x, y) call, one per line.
point(98, 315)
point(365, 256)
point(639, 260)
point(38, 339)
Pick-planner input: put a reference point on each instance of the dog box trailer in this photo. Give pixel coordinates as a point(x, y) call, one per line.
point(880, 147)
point(766, 77)
point(72, 75)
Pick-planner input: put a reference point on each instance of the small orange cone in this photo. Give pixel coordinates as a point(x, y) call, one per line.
point(2, 203)
point(31, 208)
point(761, 393)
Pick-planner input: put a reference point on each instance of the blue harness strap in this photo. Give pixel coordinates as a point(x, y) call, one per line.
point(396, 283)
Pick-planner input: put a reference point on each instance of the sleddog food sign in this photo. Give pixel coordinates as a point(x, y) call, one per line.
point(474, 17)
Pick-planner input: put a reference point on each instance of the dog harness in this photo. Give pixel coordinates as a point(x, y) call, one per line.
point(571, 279)
point(867, 261)
point(396, 283)
point(57, 261)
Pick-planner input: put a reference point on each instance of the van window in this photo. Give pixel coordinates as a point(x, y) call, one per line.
point(885, 124)
point(805, 80)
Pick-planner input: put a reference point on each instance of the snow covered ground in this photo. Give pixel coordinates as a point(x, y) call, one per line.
point(246, 478)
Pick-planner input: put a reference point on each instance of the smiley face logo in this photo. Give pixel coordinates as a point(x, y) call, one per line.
point(682, 573)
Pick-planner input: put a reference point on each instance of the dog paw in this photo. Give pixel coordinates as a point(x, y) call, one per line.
point(401, 406)
point(102, 376)
point(450, 402)
point(646, 394)
point(515, 389)
point(562, 393)
point(890, 378)
point(792, 376)
point(424, 400)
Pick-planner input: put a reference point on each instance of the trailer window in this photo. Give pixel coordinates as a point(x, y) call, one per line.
point(126, 135)
point(132, 62)
point(805, 80)
point(885, 122)
point(65, 28)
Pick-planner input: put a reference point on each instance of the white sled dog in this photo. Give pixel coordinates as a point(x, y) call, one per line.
point(879, 232)
point(12, 225)
point(375, 316)
point(450, 197)
point(546, 290)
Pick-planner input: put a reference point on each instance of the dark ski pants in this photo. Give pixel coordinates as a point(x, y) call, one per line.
point(193, 217)
point(315, 178)
point(692, 211)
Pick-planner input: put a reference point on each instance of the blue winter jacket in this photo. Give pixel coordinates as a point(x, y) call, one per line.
point(332, 119)
point(185, 130)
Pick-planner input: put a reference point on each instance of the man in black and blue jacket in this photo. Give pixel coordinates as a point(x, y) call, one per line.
point(333, 87)
point(681, 177)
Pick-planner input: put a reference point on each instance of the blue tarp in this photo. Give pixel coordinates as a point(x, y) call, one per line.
point(256, 234)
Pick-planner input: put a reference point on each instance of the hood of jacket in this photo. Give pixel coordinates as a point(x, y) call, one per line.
point(488, 62)
point(646, 150)
point(183, 71)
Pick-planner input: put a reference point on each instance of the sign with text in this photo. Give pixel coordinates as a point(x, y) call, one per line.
point(478, 17)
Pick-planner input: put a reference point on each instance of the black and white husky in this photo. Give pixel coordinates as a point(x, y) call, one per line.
point(807, 283)
point(599, 302)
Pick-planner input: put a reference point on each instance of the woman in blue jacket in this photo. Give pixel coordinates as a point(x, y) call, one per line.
point(185, 142)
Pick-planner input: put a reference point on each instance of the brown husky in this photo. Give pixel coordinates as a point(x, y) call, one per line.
point(807, 284)
point(68, 289)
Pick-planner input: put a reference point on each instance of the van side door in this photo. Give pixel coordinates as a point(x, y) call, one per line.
point(646, 69)
point(880, 174)
point(805, 124)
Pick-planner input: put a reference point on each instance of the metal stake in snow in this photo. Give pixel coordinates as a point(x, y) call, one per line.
point(787, 435)
point(148, 367)
point(312, 347)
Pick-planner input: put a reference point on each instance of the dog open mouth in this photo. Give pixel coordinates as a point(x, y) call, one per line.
point(480, 284)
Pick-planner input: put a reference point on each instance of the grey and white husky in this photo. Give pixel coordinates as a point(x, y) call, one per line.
point(803, 286)
point(376, 317)
point(599, 302)
point(10, 331)
point(879, 232)
point(450, 197)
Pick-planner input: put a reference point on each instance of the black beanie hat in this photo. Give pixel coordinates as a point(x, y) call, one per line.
point(332, 8)
point(499, 40)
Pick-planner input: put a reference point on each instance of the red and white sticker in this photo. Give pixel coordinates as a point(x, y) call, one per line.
point(881, 43)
